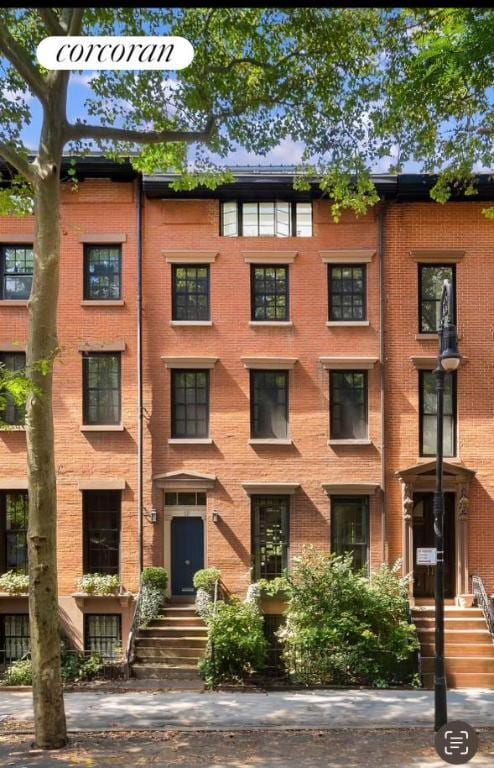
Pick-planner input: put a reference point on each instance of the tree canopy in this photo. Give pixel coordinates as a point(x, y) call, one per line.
point(361, 88)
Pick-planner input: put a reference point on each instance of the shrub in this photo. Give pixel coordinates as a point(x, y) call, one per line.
point(155, 577)
point(204, 603)
point(14, 583)
point(206, 579)
point(98, 584)
point(78, 666)
point(278, 587)
point(345, 628)
point(18, 673)
point(236, 643)
point(151, 604)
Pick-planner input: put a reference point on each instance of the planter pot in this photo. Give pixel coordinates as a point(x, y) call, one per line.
point(465, 601)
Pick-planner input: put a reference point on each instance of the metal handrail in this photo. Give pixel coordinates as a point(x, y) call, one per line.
point(133, 629)
point(483, 602)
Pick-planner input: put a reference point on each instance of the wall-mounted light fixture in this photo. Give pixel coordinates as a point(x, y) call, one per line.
point(151, 514)
point(215, 516)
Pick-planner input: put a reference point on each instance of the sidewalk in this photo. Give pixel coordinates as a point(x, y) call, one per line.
point(322, 709)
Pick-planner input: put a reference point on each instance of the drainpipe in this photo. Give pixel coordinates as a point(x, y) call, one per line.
point(382, 354)
point(140, 405)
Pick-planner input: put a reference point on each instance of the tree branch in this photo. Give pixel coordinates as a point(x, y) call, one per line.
point(81, 131)
point(15, 159)
point(22, 63)
point(75, 21)
point(51, 22)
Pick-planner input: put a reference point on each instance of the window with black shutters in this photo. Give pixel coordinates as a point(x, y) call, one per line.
point(190, 292)
point(102, 272)
point(12, 414)
point(103, 634)
point(428, 414)
point(347, 299)
point(350, 528)
point(431, 280)
point(101, 521)
point(270, 293)
point(190, 404)
point(16, 271)
point(348, 404)
point(269, 404)
point(14, 636)
point(102, 395)
point(270, 535)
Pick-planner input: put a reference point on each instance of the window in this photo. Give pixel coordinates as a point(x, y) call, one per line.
point(270, 293)
point(12, 414)
point(185, 498)
point(190, 292)
point(266, 219)
point(347, 300)
point(348, 398)
point(190, 404)
point(102, 395)
point(101, 521)
point(350, 528)
point(103, 634)
point(102, 272)
point(16, 266)
point(14, 636)
point(269, 404)
point(428, 414)
point(14, 508)
point(270, 535)
point(431, 279)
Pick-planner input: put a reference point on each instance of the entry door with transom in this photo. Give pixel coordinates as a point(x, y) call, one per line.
point(187, 553)
point(423, 536)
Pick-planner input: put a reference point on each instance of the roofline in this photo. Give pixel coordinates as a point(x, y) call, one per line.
point(263, 182)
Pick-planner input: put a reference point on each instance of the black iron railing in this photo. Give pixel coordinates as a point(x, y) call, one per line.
point(483, 601)
point(136, 621)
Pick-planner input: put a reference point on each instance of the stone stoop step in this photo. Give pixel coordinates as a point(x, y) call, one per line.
point(468, 647)
point(170, 647)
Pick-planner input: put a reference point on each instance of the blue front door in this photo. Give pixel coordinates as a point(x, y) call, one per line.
point(187, 544)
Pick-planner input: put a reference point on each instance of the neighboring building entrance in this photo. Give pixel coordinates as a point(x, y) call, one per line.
point(423, 536)
point(187, 553)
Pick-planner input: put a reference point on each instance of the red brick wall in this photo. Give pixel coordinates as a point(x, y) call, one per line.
point(452, 226)
point(309, 461)
point(97, 207)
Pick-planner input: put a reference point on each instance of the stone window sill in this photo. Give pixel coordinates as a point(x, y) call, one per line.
point(270, 441)
point(102, 303)
point(190, 441)
point(14, 302)
point(430, 337)
point(191, 323)
point(102, 428)
point(125, 598)
point(267, 323)
point(13, 428)
point(347, 323)
point(17, 595)
point(350, 442)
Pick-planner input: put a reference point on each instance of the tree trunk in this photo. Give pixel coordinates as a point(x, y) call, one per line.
point(49, 714)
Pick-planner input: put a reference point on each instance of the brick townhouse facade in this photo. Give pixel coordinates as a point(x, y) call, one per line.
point(239, 376)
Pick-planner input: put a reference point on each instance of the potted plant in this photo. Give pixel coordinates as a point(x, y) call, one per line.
point(14, 583)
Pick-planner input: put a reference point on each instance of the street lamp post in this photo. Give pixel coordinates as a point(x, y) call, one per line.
point(448, 360)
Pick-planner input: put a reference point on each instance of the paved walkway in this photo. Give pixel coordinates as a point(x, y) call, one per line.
point(97, 711)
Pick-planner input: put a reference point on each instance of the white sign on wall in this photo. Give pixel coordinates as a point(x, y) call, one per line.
point(426, 556)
